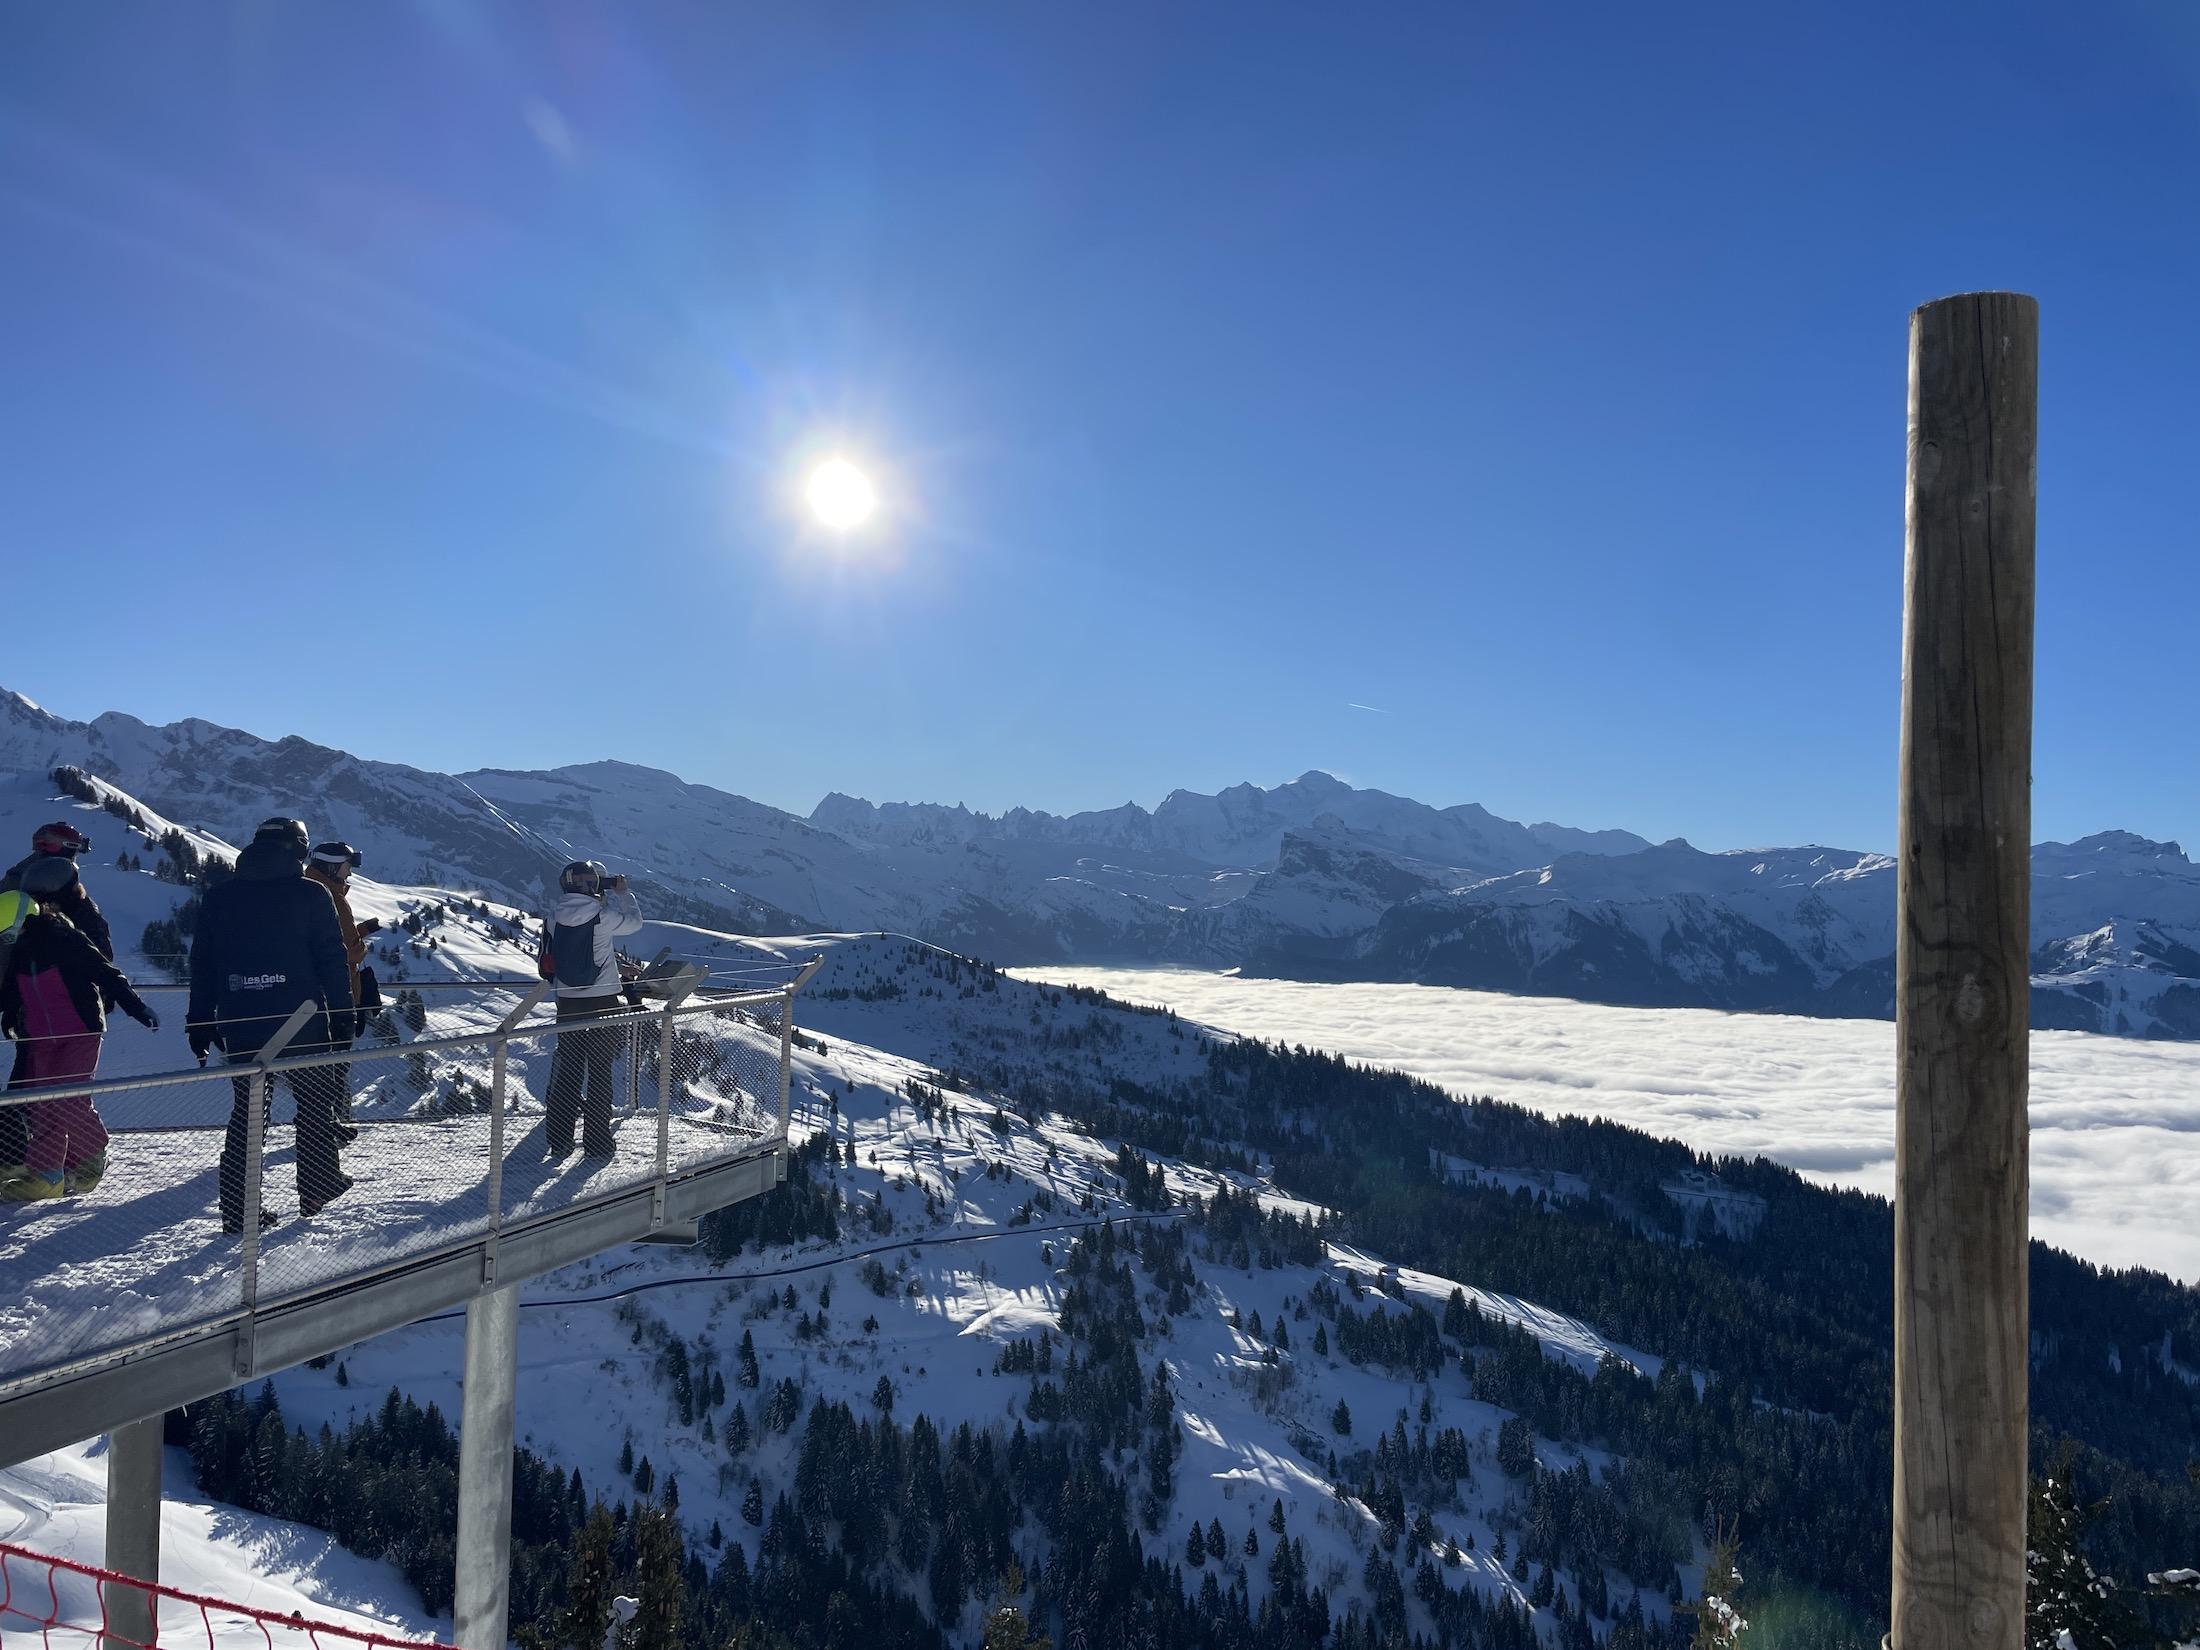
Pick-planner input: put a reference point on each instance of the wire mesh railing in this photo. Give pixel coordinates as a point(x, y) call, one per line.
point(194, 1195)
point(70, 1606)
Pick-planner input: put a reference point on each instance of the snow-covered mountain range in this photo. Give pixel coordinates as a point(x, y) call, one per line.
point(1310, 879)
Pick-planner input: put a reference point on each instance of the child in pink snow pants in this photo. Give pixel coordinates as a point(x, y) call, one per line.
point(59, 1048)
point(54, 1001)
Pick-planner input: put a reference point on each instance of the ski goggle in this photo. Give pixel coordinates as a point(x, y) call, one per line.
point(338, 853)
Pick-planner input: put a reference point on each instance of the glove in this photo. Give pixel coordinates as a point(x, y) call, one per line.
point(202, 1037)
point(136, 1007)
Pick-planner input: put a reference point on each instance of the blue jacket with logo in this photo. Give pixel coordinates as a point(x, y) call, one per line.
point(267, 940)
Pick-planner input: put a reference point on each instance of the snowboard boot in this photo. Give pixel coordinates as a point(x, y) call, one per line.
point(36, 1186)
point(88, 1173)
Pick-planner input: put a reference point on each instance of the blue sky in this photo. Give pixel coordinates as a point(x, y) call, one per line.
point(435, 382)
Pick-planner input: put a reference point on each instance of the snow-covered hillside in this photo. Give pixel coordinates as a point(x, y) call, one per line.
point(965, 1229)
point(132, 871)
point(56, 1504)
point(958, 1222)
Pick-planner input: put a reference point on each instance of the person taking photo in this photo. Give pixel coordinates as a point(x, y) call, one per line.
point(593, 913)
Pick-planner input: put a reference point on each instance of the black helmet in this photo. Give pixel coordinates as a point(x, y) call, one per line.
point(289, 832)
point(583, 876)
point(338, 853)
point(49, 874)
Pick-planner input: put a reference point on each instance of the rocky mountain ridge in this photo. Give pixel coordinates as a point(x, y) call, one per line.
point(1310, 879)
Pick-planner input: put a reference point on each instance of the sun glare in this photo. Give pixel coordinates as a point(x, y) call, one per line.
point(841, 496)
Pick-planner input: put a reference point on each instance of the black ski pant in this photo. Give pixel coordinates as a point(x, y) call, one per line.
point(320, 1175)
point(580, 1077)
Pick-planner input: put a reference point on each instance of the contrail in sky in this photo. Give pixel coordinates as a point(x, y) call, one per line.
point(1354, 704)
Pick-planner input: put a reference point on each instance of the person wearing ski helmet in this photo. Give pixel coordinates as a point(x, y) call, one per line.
point(54, 999)
point(63, 841)
point(268, 940)
point(593, 913)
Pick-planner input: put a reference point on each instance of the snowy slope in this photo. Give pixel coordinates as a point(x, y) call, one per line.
point(56, 1504)
point(427, 933)
point(956, 1231)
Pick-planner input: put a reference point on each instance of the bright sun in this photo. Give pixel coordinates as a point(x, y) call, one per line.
point(841, 496)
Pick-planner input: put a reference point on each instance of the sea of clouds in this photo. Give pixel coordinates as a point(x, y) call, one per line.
point(2115, 1122)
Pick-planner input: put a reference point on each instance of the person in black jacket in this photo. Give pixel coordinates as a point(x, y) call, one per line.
point(63, 841)
point(268, 940)
point(53, 1002)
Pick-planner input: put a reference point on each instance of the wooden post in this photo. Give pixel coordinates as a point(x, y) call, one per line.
point(1962, 978)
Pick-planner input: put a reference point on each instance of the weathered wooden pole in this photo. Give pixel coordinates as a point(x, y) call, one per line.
point(1962, 978)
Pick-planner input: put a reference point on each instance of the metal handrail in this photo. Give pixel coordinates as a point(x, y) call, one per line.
point(386, 1051)
point(755, 1122)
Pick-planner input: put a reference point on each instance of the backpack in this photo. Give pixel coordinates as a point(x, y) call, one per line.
point(571, 953)
point(16, 908)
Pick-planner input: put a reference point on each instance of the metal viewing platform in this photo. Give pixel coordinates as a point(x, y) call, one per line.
point(123, 1302)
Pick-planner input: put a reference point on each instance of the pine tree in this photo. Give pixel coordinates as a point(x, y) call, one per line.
point(1275, 1517)
point(1341, 1419)
point(1252, 1542)
point(2067, 1604)
point(1321, 1340)
point(752, 1504)
point(737, 1431)
point(747, 1375)
point(882, 1396)
point(586, 1617)
point(1006, 1626)
point(626, 1459)
point(1195, 1547)
point(1719, 1620)
point(660, 1574)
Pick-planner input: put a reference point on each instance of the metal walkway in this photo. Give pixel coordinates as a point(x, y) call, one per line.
point(123, 1302)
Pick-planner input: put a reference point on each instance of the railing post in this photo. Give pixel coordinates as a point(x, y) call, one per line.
point(260, 1099)
point(1962, 978)
point(497, 1064)
point(786, 1066)
point(634, 1068)
point(664, 1113)
point(665, 1043)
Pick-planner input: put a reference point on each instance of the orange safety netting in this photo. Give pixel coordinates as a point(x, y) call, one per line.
point(68, 1605)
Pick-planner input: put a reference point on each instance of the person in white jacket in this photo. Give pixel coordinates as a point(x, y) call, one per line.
point(594, 912)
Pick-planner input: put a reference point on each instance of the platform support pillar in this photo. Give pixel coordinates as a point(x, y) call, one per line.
point(482, 1594)
point(133, 1529)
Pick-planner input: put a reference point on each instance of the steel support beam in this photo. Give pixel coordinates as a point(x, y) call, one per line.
point(482, 1597)
point(133, 1529)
